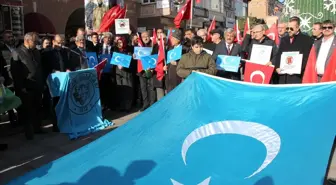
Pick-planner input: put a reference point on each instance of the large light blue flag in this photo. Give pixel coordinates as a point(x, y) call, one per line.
point(228, 63)
point(121, 59)
point(149, 62)
point(211, 131)
point(55, 82)
point(78, 110)
point(142, 51)
point(174, 54)
point(92, 59)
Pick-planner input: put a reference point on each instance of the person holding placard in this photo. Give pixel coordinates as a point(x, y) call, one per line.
point(262, 49)
point(146, 78)
point(231, 49)
point(124, 79)
point(295, 42)
point(172, 79)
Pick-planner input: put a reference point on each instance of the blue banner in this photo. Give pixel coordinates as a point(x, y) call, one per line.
point(211, 131)
point(149, 62)
point(142, 51)
point(174, 54)
point(228, 63)
point(56, 81)
point(92, 59)
point(121, 59)
point(108, 65)
point(78, 110)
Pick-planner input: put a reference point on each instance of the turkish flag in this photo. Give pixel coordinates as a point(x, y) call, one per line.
point(99, 68)
point(238, 39)
point(310, 74)
point(330, 72)
point(109, 18)
point(154, 36)
point(247, 26)
point(273, 33)
point(140, 44)
point(211, 27)
point(183, 14)
point(116, 12)
point(160, 61)
point(257, 73)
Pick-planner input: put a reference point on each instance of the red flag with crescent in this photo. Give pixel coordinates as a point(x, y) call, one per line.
point(257, 73)
point(330, 72)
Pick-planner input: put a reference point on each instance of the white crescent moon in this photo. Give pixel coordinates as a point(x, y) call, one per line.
point(117, 59)
point(258, 72)
point(260, 132)
point(271, 35)
point(92, 58)
point(154, 61)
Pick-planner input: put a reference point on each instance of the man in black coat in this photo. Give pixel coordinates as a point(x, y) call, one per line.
point(294, 42)
point(27, 75)
point(228, 47)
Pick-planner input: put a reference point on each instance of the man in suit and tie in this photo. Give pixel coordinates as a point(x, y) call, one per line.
point(106, 46)
point(325, 47)
point(228, 47)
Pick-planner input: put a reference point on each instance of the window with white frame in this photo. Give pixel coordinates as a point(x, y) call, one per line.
point(148, 1)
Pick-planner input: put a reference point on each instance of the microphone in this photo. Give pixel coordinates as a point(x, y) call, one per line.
point(73, 51)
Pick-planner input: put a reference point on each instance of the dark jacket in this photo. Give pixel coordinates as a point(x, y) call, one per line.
point(26, 69)
point(266, 42)
point(190, 61)
point(172, 79)
point(54, 59)
point(221, 49)
point(77, 60)
point(301, 43)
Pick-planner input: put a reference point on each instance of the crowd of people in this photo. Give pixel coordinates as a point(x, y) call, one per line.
point(25, 67)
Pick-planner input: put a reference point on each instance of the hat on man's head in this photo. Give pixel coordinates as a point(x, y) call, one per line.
point(177, 34)
point(219, 31)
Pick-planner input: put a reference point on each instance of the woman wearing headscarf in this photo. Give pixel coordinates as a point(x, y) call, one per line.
point(124, 78)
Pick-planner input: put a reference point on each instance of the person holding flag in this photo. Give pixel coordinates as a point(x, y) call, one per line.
point(172, 79)
point(124, 79)
point(146, 77)
point(159, 84)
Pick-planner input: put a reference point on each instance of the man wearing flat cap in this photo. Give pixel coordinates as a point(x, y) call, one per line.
point(172, 79)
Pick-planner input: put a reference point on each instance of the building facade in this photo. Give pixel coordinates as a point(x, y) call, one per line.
point(161, 13)
point(261, 8)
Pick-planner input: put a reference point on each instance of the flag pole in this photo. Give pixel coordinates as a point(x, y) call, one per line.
point(191, 13)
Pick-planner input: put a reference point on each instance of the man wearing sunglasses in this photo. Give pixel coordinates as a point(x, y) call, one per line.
point(325, 47)
point(296, 41)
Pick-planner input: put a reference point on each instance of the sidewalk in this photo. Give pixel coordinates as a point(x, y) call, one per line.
point(24, 156)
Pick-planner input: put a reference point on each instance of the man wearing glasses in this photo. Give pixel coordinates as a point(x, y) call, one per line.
point(296, 41)
point(325, 47)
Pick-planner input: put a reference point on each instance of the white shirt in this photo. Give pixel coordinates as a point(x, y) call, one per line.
point(108, 47)
point(323, 54)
